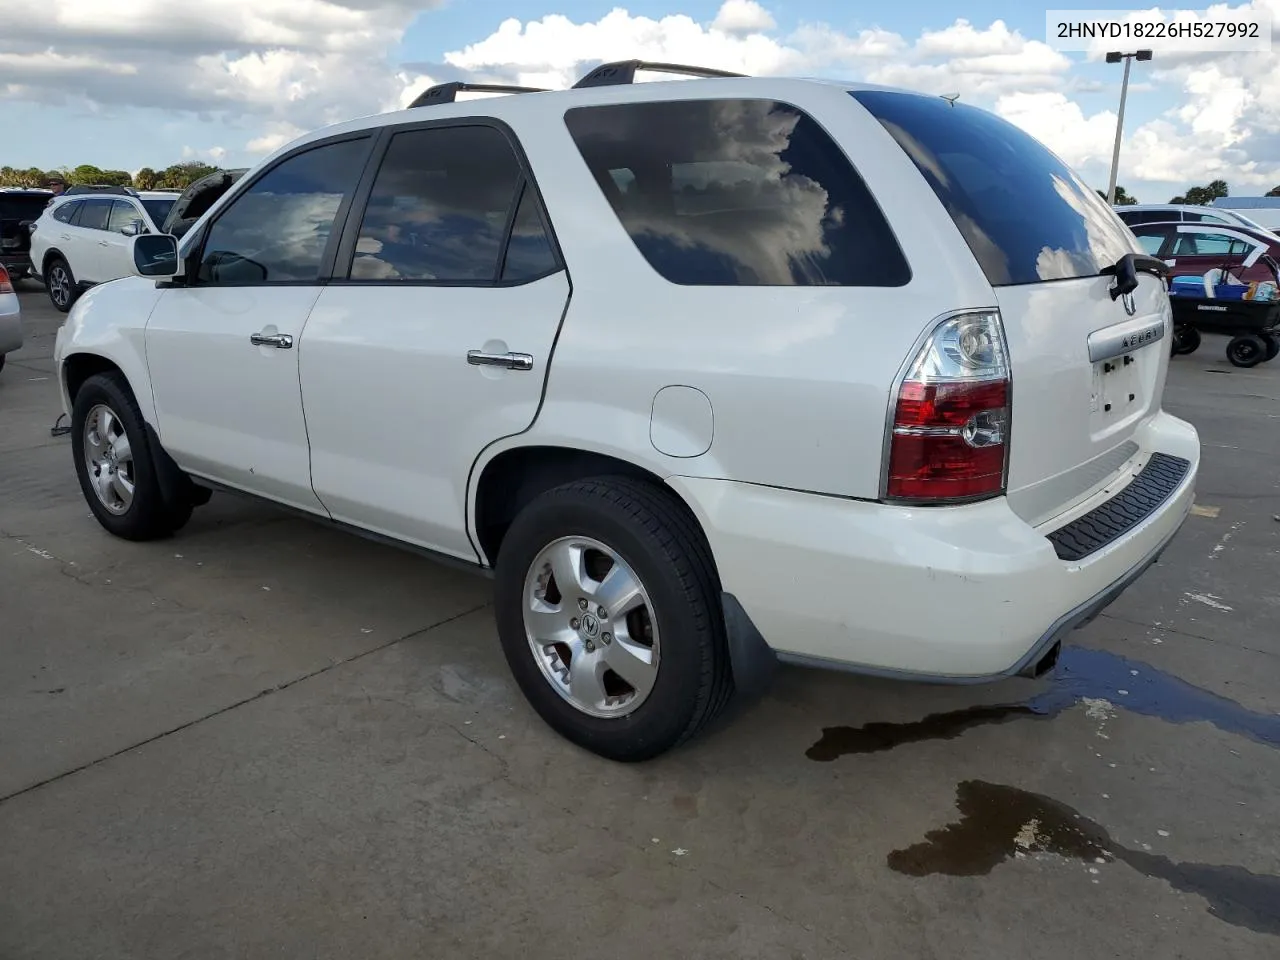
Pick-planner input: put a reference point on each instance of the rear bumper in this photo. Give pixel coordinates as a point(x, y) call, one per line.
point(10, 323)
point(18, 264)
point(959, 594)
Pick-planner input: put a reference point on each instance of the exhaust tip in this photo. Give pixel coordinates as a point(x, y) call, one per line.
point(1045, 663)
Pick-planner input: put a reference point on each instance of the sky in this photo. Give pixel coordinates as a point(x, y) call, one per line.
point(131, 83)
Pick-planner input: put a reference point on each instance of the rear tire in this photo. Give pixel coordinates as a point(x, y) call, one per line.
point(1273, 346)
point(61, 284)
point(1246, 351)
point(1185, 340)
point(114, 463)
point(633, 532)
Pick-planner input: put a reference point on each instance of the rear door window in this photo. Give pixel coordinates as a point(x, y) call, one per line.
point(94, 214)
point(1025, 215)
point(737, 192)
point(440, 209)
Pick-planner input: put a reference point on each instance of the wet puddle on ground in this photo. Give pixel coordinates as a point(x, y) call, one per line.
point(1082, 674)
point(998, 823)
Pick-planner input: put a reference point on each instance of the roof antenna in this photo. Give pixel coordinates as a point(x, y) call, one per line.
point(951, 98)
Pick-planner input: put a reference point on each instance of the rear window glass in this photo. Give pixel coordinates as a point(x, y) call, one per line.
point(159, 209)
point(737, 192)
point(1025, 215)
point(22, 207)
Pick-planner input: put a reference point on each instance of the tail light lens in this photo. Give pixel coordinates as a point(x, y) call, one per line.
point(5, 285)
point(950, 435)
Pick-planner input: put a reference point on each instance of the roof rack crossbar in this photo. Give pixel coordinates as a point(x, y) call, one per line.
point(448, 92)
point(81, 189)
point(624, 71)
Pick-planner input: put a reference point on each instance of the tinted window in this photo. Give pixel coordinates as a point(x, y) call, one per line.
point(277, 230)
point(123, 213)
point(22, 206)
point(94, 214)
point(159, 209)
point(439, 207)
point(748, 192)
point(529, 253)
point(1146, 216)
point(1150, 242)
point(65, 211)
point(1025, 215)
point(1208, 245)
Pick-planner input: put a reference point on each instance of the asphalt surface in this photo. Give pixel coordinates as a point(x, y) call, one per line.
point(268, 738)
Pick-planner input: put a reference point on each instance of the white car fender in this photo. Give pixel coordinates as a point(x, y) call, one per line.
point(114, 331)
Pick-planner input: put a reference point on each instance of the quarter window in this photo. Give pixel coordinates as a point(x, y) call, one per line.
point(277, 231)
point(63, 212)
point(529, 253)
point(737, 192)
point(439, 209)
point(123, 214)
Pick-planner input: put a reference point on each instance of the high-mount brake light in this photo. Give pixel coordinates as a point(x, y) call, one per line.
point(950, 431)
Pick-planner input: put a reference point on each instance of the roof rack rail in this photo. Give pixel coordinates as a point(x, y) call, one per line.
point(448, 92)
point(83, 188)
point(624, 71)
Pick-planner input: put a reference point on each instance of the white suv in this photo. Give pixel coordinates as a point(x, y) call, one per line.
point(707, 373)
point(82, 239)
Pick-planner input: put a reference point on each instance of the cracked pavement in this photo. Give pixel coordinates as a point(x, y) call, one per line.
point(268, 738)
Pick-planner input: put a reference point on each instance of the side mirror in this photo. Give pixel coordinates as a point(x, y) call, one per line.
point(134, 228)
point(155, 255)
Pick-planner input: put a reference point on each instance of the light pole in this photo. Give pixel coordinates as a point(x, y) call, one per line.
point(1128, 59)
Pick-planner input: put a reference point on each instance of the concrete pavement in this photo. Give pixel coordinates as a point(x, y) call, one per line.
point(267, 738)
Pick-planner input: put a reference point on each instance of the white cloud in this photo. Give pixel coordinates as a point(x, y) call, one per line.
point(267, 70)
point(1061, 125)
point(743, 16)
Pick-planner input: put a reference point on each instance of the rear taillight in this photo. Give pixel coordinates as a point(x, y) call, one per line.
point(949, 439)
point(5, 285)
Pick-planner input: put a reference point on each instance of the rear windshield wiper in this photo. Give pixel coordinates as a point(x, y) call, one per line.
point(1126, 271)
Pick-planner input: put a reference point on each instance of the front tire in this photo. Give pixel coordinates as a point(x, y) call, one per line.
point(61, 284)
point(608, 610)
point(114, 462)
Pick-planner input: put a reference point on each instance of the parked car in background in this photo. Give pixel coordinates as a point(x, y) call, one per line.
point(1137, 213)
point(10, 317)
point(1264, 211)
point(191, 205)
point(19, 208)
point(82, 238)
point(1193, 249)
point(845, 376)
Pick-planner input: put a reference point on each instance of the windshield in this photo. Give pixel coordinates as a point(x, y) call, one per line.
point(159, 208)
point(1026, 216)
point(1251, 224)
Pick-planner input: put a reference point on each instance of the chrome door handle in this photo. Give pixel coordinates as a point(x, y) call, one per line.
point(281, 340)
point(511, 361)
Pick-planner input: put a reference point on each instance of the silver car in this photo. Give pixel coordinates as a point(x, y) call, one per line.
point(10, 317)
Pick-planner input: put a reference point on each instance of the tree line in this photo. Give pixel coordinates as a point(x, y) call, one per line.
point(1195, 196)
point(178, 175)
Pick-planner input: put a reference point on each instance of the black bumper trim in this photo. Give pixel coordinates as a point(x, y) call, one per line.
point(1153, 485)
